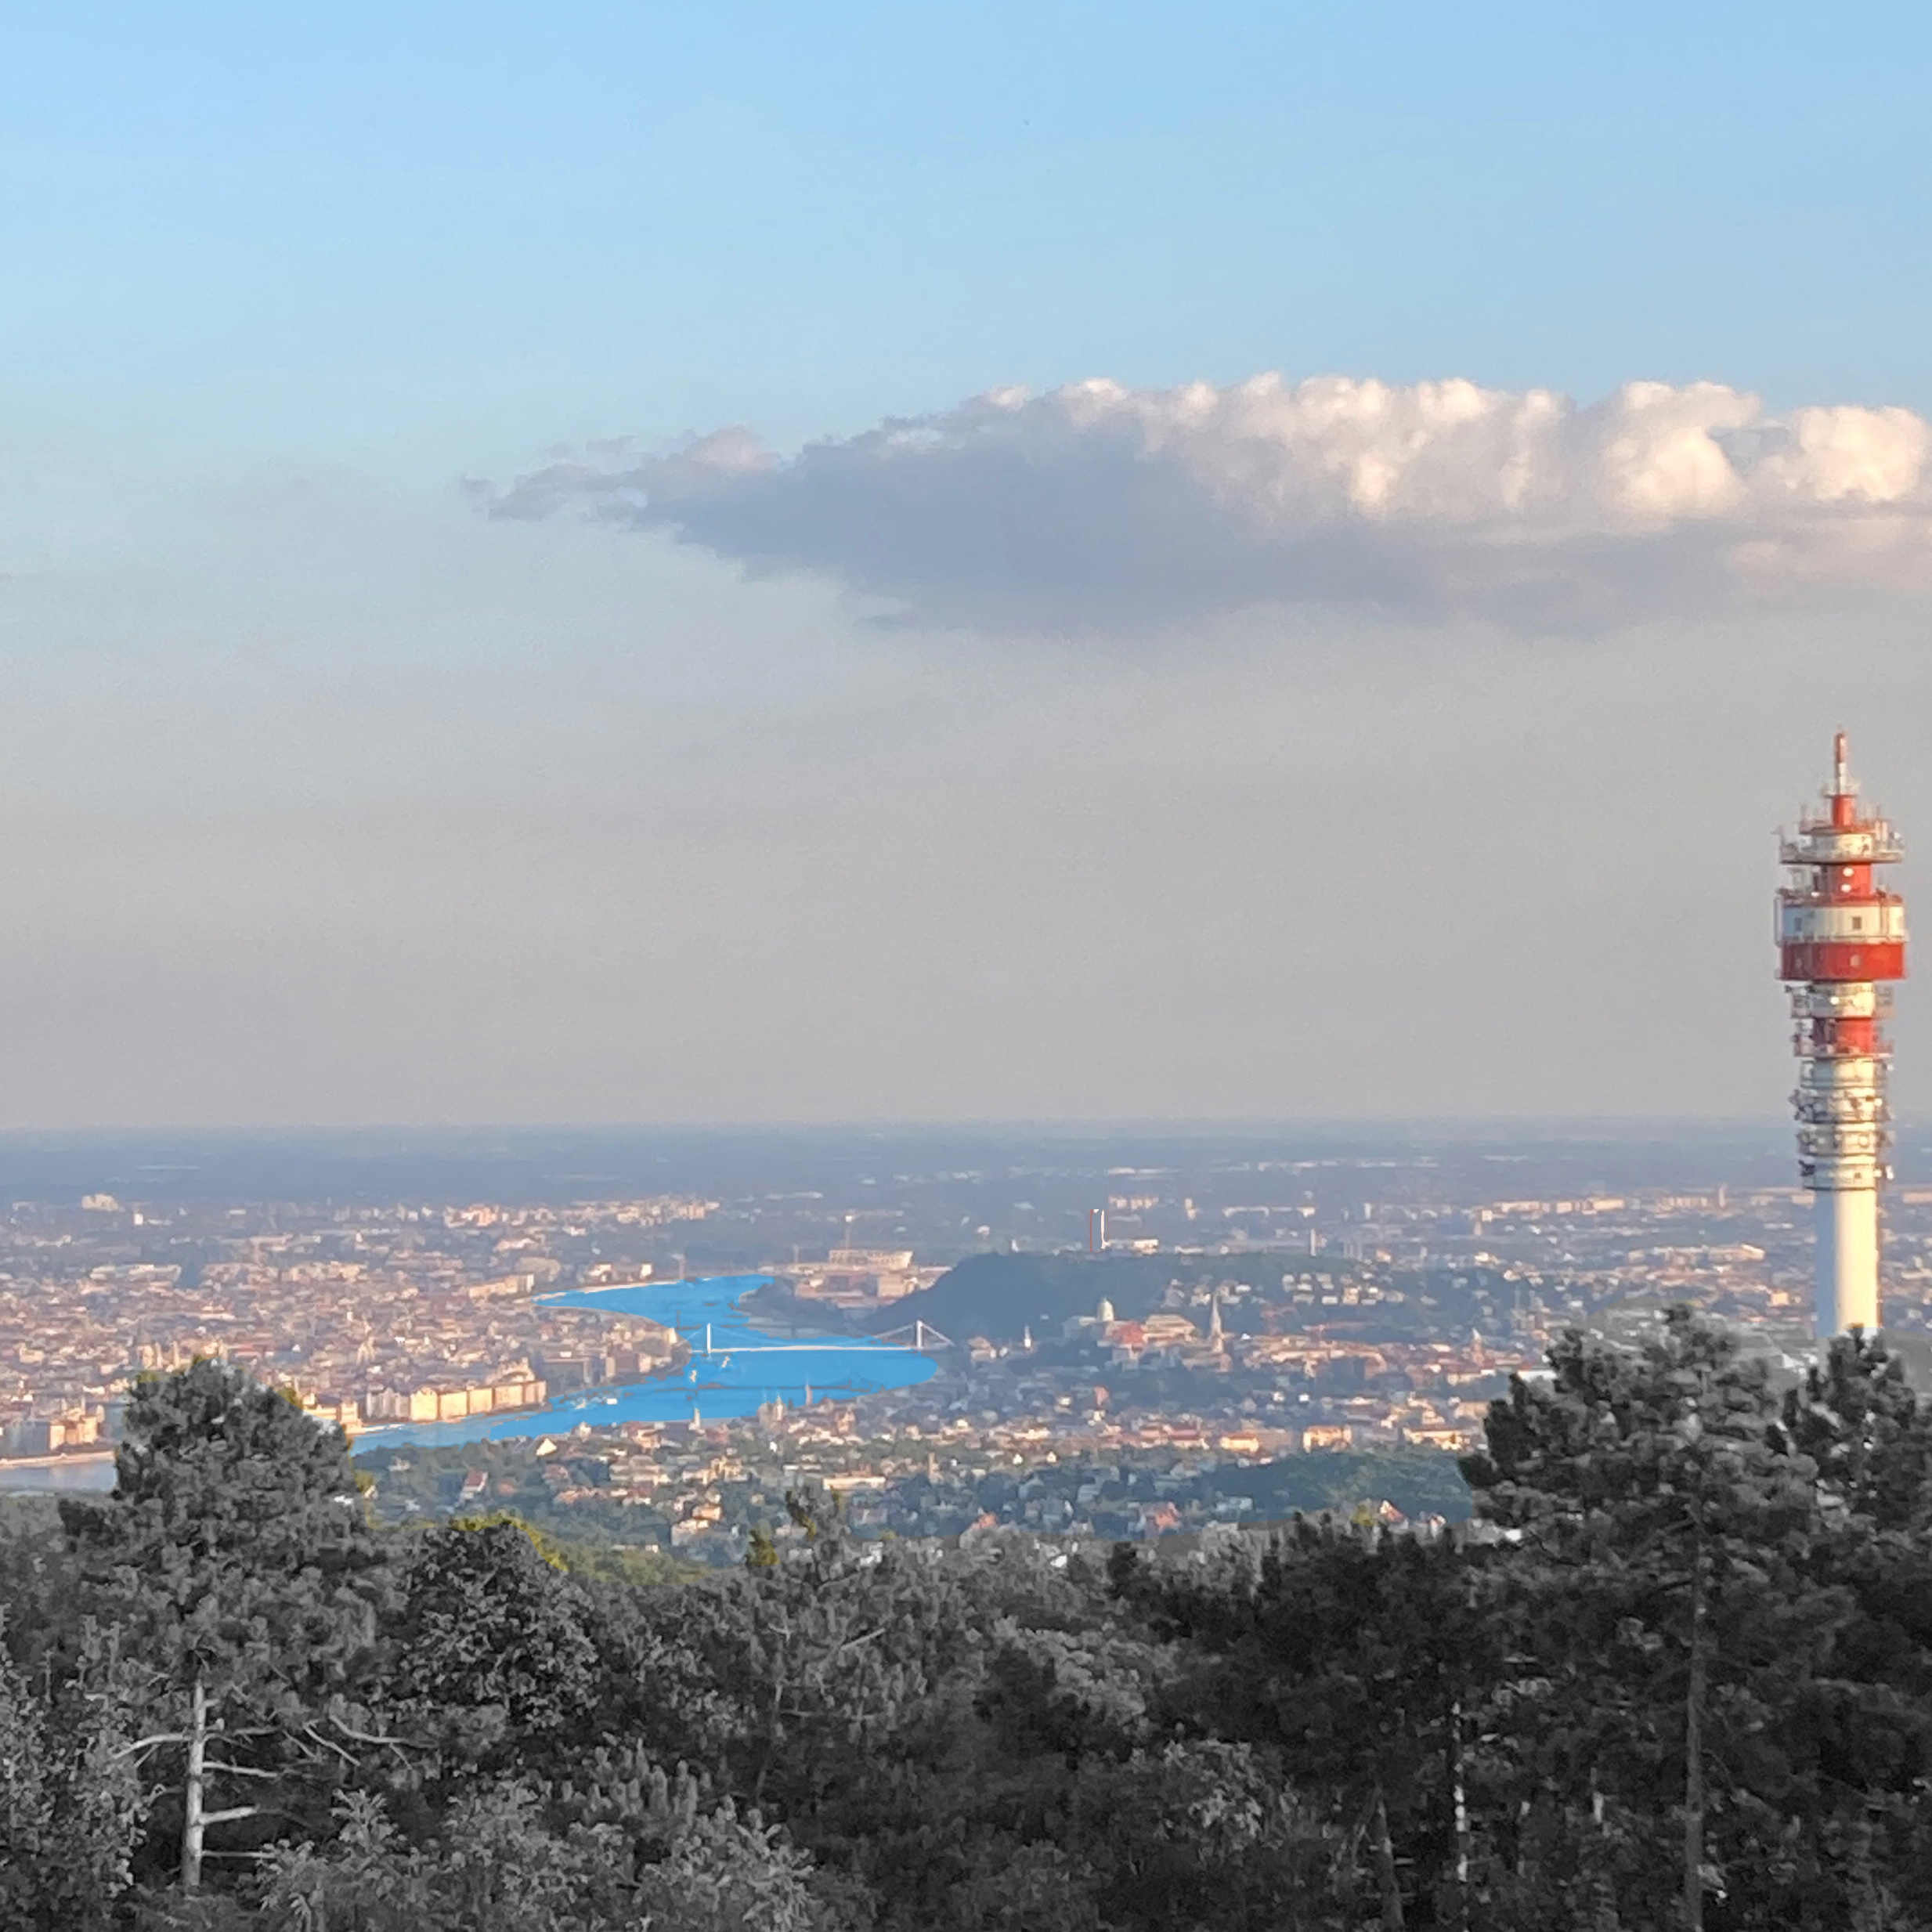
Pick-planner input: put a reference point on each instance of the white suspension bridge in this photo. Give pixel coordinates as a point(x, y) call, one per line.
point(917, 1336)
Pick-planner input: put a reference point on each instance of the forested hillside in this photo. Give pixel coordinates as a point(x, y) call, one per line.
point(1000, 1294)
point(1678, 1672)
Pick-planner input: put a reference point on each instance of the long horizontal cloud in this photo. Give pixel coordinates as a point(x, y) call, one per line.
point(1096, 507)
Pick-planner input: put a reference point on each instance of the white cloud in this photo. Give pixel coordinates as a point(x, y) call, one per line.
point(1096, 507)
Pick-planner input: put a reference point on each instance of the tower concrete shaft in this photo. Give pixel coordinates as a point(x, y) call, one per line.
point(1841, 943)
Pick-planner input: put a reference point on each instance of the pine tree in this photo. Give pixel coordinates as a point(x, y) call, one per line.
point(492, 1644)
point(1678, 1630)
point(1858, 1419)
point(1362, 1658)
point(234, 1555)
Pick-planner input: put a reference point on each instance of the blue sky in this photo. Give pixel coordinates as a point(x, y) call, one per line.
point(326, 797)
point(425, 235)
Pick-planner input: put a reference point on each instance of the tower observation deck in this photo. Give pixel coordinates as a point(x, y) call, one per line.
point(1841, 942)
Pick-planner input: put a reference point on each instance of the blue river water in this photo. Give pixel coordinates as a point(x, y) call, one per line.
point(78, 1473)
point(733, 1369)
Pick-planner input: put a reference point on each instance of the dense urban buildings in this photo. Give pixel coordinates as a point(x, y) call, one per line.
point(1264, 1331)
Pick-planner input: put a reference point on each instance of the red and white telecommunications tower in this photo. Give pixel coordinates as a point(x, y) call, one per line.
point(1841, 941)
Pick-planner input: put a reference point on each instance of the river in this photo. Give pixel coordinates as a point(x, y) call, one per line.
point(733, 1369)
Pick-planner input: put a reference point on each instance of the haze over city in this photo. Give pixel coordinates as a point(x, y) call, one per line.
point(939, 563)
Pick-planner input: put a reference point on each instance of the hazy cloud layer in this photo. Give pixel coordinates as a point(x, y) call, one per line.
point(376, 781)
point(1096, 507)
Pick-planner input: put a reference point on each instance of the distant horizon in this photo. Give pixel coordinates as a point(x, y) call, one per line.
point(619, 564)
point(1179, 1127)
point(848, 1162)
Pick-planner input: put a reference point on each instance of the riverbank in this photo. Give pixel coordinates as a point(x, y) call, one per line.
point(736, 1359)
point(94, 1470)
point(735, 1367)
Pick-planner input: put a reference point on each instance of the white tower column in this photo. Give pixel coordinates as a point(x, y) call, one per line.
point(1846, 1224)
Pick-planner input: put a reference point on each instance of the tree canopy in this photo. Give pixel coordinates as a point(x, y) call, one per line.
point(1677, 1673)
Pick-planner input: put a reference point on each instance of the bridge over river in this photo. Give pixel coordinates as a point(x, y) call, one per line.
point(734, 1370)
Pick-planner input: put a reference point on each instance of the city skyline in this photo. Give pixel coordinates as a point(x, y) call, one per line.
point(1263, 1295)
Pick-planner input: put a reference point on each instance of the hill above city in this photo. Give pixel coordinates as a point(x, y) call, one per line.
point(999, 1296)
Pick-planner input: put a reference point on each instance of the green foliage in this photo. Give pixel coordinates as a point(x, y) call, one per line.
point(1680, 1665)
point(1680, 1589)
point(1418, 1481)
point(588, 1561)
point(819, 1513)
point(624, 1564)
point(999, 1294)
point(501, 1863)
point(234, 1557)
point(421, 1481)
point(71, 1799)
point(233, 1539)
point(545, 1545)
point(487, 1624)
point(365, 1876)
point(1871, 1437)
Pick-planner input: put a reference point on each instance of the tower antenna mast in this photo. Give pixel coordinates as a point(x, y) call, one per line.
point(1841, 943)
